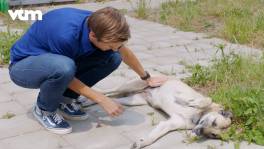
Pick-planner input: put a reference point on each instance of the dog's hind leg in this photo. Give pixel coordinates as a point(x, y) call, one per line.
point(174, 123)
point(200, 103)
point(134, 100)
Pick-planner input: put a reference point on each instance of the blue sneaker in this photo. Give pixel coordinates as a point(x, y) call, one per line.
point(72, 111)
point(52, 121)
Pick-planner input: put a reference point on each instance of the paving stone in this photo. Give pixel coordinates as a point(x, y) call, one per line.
point(110, 83)
point(138, 48)
point(168, 51)
point(189, 35)
point(172, 140)
point(137, 41)
point(26, 99)
point(119, 4)
point(177, 138)
point(166, 60)
point(4, 76)
point(5, 96)
point(11, 107)
point(39, 140)
point(244, 50)
point(245, 145)
point(96, 138)
point(144, 55)
point(188, 57)
point(156, 38)
point(11, 88)
point(125, 73)
point(162, 44)
point(150, 120)
point(18, 125)
point(172, 70)
point(133, 117)
point(167, 29)
point(147, 64)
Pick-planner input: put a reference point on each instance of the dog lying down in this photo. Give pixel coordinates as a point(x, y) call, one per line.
point(186, 108)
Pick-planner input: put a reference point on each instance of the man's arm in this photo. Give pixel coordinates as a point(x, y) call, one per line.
point(131, 60)
point(112, 108)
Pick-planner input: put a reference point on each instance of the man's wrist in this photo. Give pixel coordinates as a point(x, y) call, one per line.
point(146, 76)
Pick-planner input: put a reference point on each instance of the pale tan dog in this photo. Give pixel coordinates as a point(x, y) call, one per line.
point(186, 108)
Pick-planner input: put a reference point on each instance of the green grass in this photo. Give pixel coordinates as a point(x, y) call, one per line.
point(6, 41)
point(236, 82)
point(142, 9)
point(239, 21)
point(7, 20)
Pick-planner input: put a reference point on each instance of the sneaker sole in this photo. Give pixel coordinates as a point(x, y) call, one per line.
point(85, 108)
point(57, 131)
point(74, 118)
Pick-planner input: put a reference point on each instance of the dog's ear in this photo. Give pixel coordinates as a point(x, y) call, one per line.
point(227, 114)
point(198, 130)
point(195, 119)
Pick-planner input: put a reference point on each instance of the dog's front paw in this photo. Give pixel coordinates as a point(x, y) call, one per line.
point(138, 144)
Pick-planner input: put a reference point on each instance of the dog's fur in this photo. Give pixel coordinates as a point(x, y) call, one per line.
point(186, 108)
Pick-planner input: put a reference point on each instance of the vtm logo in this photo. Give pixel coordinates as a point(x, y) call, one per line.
point(24, 14)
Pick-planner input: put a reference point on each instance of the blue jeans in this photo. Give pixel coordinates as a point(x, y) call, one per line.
point(52, 73)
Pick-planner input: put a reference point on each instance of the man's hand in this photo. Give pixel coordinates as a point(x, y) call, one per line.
point(156, 81)
point(111, 107)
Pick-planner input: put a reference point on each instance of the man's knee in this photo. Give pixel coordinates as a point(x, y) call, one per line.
point(65, 68)
point(114, 60)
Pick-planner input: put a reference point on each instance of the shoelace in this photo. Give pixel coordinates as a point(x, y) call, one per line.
point(57, 118)
point(75, 106)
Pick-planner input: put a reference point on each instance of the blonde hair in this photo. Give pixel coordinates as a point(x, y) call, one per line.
point(109, 25)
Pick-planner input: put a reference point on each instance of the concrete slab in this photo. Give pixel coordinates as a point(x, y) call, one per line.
point(39, 140)
point(26, 99)
point(5, 97)
point(103, 137)
point(18, 125)
point(4, 76)
point(11, 107)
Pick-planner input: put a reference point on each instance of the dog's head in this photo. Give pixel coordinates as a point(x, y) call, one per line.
point(213, 123)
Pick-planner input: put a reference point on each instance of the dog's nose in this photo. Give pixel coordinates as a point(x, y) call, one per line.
point(198, 131)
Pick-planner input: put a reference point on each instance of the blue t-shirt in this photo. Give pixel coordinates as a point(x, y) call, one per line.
point(61, 31)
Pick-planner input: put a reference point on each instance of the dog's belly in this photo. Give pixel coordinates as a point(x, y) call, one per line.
point(176, 109)
point(173, 98)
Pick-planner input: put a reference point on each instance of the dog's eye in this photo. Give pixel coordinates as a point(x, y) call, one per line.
point(212, 135)
point(214, 123)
